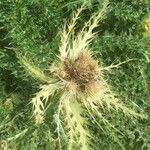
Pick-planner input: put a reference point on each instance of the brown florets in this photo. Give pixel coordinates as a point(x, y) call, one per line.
point(82, 70)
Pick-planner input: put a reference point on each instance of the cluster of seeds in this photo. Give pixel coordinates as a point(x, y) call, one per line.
point(82, 71)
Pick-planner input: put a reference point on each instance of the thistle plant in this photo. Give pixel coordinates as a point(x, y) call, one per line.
point(79, 80)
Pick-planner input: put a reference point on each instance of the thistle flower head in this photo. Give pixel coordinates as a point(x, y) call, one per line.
point(83, 71)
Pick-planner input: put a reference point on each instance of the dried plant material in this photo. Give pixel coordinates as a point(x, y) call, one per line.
point(83, 71)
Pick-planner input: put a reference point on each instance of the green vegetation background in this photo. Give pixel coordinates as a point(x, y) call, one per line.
point(31, 27)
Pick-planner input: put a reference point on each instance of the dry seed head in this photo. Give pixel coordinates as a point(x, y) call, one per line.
point(83, 71)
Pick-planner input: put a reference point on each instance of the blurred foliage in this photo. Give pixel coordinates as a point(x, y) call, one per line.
point(32, 28)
